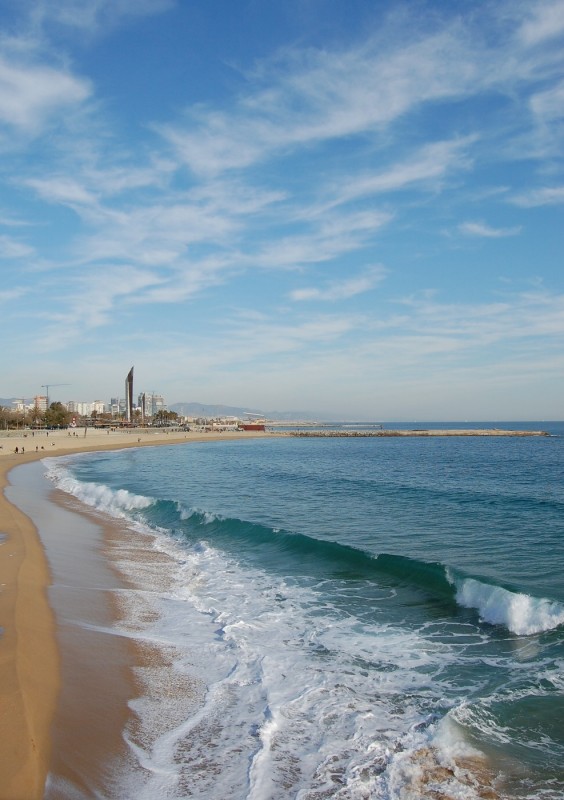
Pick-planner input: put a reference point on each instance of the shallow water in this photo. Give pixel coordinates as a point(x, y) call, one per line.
point(360, 618)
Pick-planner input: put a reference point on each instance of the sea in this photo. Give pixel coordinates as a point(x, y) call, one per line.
point(362, 617)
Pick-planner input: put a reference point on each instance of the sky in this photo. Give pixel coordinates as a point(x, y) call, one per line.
point(345, 207)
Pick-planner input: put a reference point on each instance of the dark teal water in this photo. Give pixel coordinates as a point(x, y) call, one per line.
point(363, 611)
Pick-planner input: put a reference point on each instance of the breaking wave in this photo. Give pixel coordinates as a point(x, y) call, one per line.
point(520, 613)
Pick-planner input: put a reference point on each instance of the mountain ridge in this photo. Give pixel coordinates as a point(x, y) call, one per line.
point(193, 409)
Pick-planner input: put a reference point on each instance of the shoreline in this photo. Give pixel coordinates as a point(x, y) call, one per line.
point(36, 662)
point(94, 661)
point(31, 657)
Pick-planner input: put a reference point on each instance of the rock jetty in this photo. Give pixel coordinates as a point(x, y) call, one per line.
point(418, 432)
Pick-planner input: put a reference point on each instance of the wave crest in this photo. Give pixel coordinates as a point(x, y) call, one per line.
point(116, 502)
point(520, 613)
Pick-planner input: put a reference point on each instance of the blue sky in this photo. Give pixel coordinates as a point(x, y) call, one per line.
point(339, 206)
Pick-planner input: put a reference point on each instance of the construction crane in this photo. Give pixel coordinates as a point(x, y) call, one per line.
point(50, 386)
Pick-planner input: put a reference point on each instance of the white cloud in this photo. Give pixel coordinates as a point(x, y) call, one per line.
point(519, 316)
point(547, 196)
point(428, 166)
point(11, 248)
point(9, 220)
point(306, 98)
point(187, 280)
point(343, 289)
point(549, 104)
point(547, 109)
point(93, 16)
point(253, 340)
point(327, 237)
point(430, 340)
point(314, 97)
point(7, 295)
point(30, 95)
point(379, 129)
point(158, 234)
point(88, 301)
point(61, 189)
point(545, 21)
point(480, 229)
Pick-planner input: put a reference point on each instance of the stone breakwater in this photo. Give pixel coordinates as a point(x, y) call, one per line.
point(417, 432)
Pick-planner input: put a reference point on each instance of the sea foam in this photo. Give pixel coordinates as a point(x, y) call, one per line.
point(519, 613)
point(116, 502)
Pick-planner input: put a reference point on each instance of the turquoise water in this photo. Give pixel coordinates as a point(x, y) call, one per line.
point(371, 618)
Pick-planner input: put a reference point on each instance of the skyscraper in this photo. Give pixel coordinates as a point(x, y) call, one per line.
point(129, 396)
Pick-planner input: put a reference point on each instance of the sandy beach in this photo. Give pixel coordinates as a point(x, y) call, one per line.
point(39, 650)
point(67, 681)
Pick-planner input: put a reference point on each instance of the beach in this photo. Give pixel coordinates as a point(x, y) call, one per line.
point(155, 601)
point(31, 661)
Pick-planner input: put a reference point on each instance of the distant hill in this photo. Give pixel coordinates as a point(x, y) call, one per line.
point(206, 410)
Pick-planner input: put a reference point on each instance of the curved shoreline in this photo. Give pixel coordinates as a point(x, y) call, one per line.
point(29, 658)
point(30, 662)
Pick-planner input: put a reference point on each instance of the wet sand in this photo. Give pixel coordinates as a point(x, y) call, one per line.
point(71, 663)
point(56, 645)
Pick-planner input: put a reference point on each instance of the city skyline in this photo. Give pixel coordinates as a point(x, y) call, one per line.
point(153, 399)
point(321, 206)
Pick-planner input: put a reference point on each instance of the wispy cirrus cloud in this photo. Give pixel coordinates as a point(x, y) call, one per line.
point(343, 289)
point(326, 238)
point(62, 189)
point(545, 196)
point(429, 333)
point(547, 111)
point(267, 337)
point(548, 105)
point(323, 159)
point(481, 229)
point(318, 96)
point(31, 94)
point(306, 98)
point(8, 295)
point(87, 303)
point(426, 167)
point(544, 21)
point(95, 16)
point(11, 248)
point(522, 315)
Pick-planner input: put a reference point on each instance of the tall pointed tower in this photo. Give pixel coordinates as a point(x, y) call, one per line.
point(129, 396)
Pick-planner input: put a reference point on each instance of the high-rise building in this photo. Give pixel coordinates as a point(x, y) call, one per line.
point(129, 396)
point(85, 409)
point(117, 406)
point(76, 407)
point(150, 404)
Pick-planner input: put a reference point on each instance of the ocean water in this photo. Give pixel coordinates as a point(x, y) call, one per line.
point(358, 618)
